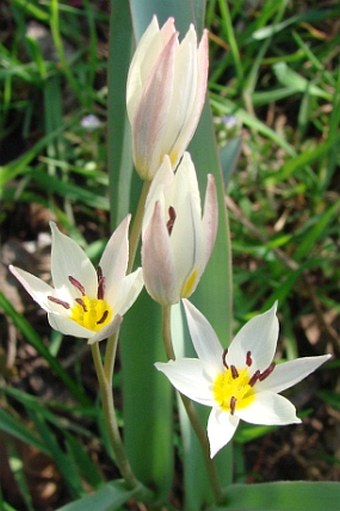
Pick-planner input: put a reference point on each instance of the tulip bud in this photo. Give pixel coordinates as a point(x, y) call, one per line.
point(176, 239)
point(166, 89)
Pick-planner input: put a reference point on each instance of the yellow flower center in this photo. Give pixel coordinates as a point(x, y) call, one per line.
point(91, 313)
point(232, 390)
point(189, 284)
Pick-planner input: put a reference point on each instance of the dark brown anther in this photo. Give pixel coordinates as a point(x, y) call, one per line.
point(267, 372)
point(249, 359)
point(101, 284)
point(224, 356)
point(234, 372)
point(77, 285)
point(59, 302)
point(82, 304)
point(103, 318)
point(172, 218)
point(254, 378)
point(232, 404)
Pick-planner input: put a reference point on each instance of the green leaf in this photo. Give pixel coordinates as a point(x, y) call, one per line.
point(85, 466)
point(71, 191)
point(119, 148)
point(288, 77)
point(226, 107)
point(17, 429)
point(312, 236)
point(65, 465)
point(147, 398)
point(282, 496)
point(109, 498)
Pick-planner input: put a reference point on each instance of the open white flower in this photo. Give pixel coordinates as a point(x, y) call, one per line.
point(165, 93)
point(177, 238)
point(242, 382)
point(84, 302)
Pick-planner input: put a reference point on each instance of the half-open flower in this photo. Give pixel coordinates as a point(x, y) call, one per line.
point(176, 239)
point(242, 382)
point(166, 88)
point(84, 302)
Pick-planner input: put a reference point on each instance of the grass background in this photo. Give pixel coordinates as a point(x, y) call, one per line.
point(275, 96)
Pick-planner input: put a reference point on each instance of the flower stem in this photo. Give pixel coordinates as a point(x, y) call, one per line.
point(110, 355)
point(137, 225)
point(190, 410)
point(106, 394)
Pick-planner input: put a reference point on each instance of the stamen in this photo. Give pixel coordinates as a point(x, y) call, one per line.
point(103, 318)
point(82, 304)
point(77, 285)
point(234, 372)
point(232, 404)
point(254, 378)
point(172, 218)
point(224, 355)
point(267, 372)
point(59, 302)
point(101, 284)
point(249, 359)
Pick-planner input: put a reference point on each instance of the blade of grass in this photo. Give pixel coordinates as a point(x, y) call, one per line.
point(110, 497)
point(17, 468)
point(17, 429)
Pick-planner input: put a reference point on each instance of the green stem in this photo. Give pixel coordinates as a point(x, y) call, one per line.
point(137, 224)
point(110, 356)
point(190, 410)
point(106, 394)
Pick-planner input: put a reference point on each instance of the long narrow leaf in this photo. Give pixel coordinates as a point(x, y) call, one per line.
point(283, 496)
point(109, 498)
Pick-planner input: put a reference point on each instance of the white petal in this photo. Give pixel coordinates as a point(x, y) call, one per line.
point(68, 259)
point(188, 377)
point(148, 49)
point(115, 256)
point(289, 373)
point(67, 326)
point(259, 336)
point(158, 267)
point(184, 87)
point(193, 80)
point(125, 294)
point(37, 288)
point(186, 238)
point(221, 429)
point(270, 409)
point(204, 338)
point(107, 331)
point(162, 181)
point(152, 114)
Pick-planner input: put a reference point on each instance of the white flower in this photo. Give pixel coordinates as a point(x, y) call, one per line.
point(84, 302)
point(176, 239)
point(165, 93)
point(242, 382)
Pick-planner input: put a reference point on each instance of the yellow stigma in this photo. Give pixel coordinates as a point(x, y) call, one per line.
point(233, 392)
point(91, 313)
point(189, 284)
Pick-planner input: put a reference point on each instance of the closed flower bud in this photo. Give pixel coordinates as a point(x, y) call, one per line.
point(166, 89)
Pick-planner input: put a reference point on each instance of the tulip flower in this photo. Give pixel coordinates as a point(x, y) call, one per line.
point(166, 88)
point(176, 239)
point(242, 382)
point(84, 302)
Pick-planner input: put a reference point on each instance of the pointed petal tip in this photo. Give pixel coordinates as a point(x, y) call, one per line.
point(53, 225)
